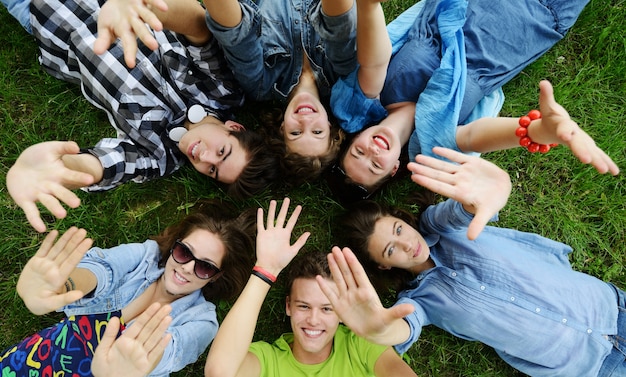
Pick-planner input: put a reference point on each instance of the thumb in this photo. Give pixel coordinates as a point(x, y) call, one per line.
point(401, 310)
point(546, 96)
point(68, 147)
point(69, 297)
point(478, 223)
point(104, 40)
point(110, 334)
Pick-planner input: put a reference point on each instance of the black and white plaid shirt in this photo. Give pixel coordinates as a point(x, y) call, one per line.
point(142, 103)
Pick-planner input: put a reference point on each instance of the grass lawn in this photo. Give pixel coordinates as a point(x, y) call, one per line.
point(553, 195)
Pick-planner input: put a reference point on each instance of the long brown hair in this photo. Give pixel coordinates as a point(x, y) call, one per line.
point(355, 228)
point(299, 169)
point(237, 234)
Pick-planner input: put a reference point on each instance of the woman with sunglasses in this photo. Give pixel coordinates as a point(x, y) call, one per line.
point(205, 257)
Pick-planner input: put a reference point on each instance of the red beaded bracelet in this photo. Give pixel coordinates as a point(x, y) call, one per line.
point(525, 140)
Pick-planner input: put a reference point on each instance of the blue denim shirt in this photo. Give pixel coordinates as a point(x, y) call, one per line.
point(123, 273)
point(355, 111)
point(451, 57)
point(513, 291)
point(266, 50)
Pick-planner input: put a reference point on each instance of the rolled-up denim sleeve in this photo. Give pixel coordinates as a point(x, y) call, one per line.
point(352, 108)
point(190, 339)
point(338, 34)
point(415, 320)
point(241, 44)
point(109, 266)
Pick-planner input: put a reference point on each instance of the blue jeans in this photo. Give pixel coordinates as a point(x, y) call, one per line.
point(615, 364)
point(20, 9)
point(501, 38)
point(266, 50)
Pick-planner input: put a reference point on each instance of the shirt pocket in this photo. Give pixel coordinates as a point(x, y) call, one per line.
point(278, 44)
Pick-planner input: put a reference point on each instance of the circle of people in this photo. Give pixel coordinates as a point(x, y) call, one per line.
point(358, 96)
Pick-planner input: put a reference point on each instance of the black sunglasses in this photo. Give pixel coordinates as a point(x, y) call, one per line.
point(183, 255)
point(340, 184)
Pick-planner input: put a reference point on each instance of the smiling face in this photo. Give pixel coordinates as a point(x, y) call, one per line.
point(373, 155)
point(313, 321)
point(394, 243)
point(180, 279)
point(305, 127)
point(213, 151)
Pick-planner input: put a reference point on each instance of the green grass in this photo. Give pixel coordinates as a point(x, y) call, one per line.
point(553, 194)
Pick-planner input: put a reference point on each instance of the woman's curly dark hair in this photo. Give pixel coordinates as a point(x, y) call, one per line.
point(236, 232)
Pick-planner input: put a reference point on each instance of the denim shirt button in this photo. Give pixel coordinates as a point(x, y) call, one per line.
point(453, 274)
point(482, 287)
point(512, 298)
point(537, 310)
point(564, 320)
point(589, 331)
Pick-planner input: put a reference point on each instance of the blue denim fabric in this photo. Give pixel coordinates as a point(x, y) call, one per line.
point(513, 291)
point(495, 52)
point(501, 38)
point(123, 273)
point(20, 9)
point(615, 364)
point(266, 50)
point(355, 111)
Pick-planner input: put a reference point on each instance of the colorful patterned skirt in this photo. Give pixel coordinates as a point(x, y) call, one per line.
point(65, 349)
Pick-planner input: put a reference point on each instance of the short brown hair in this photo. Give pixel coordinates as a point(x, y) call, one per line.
point(261, 170)
point(237, 234)
point(307, 266)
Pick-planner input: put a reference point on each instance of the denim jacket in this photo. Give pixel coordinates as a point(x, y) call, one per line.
point(266, 49)
point(123, 273)
point(513, 291)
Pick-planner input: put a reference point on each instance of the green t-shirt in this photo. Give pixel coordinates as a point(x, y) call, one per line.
point(351, 356)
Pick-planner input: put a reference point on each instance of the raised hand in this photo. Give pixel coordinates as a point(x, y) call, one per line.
point(357, 304)
point(273, 243)
point(138, 350)
point(558, 127)
point(39, 175)
point(482, 187)
point(41, 284)
point(127, 19)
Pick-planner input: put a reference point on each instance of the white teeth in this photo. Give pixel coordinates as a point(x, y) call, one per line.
point(380, 140)
point(180, 278)
point(313, 332)
point(305, 110)
point(194, 150)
